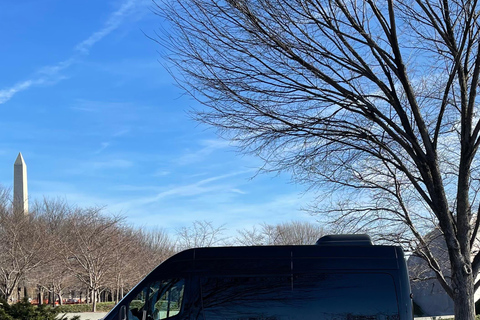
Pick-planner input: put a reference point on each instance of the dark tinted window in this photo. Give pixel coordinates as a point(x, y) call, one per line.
point(157, 301)
point(165, 299)
point(136, 307)
point(332, 296)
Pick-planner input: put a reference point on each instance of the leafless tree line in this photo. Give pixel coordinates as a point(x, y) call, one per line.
point(57, 249)
point(61, 251)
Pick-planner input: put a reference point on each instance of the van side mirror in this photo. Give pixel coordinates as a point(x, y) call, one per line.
point(123, 313)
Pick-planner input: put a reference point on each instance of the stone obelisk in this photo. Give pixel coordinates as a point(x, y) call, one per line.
point(20, 191)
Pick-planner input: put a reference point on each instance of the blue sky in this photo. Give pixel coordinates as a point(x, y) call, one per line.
point(99, 122)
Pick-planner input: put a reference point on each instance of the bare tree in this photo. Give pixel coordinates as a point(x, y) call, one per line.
point(287, 233)
point(127, 268)
point(87, 248)
point(53, 277)
point(22, 246)
point(158, 246)
point(200, 234)
point(374, 101)
point(136, 253)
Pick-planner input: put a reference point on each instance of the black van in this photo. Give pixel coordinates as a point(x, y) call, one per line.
point(342, 277)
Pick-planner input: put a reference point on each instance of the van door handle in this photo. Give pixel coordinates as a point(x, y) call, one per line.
point(123, 313)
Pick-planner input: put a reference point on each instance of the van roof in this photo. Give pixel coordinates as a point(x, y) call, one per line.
point(278, 259)
point(264, 252)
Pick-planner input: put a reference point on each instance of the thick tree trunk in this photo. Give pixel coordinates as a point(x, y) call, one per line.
point(94, 300)
point(463, 295)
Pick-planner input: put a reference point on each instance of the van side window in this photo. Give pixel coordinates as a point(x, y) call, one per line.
point(136, 307)
point(328, 296)
point(165, 299)
point(349, 296)
point(247, 297)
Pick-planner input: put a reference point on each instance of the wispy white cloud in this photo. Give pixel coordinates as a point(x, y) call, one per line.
point(97, 106)
point(7, 94)
point(55, 69)
point(136, 188)
point(235, 190)
point(111, 24)
point(161, 173)
point(116, 163)
point(235, 213)
point(51, 74)
point(208, 147)
point(204, 186)
point(122, 132)
point(103, 146)
point(217, 198)
point(98, 167)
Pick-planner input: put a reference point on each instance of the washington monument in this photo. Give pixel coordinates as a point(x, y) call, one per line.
point(20, 191)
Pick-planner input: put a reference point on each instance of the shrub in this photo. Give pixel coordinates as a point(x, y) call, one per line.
point(23, 310)
point(76, 308)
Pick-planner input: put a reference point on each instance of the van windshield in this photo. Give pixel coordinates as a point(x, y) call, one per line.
point(331, 296)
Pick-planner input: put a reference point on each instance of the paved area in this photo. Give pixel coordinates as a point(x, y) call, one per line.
point(86, 315)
